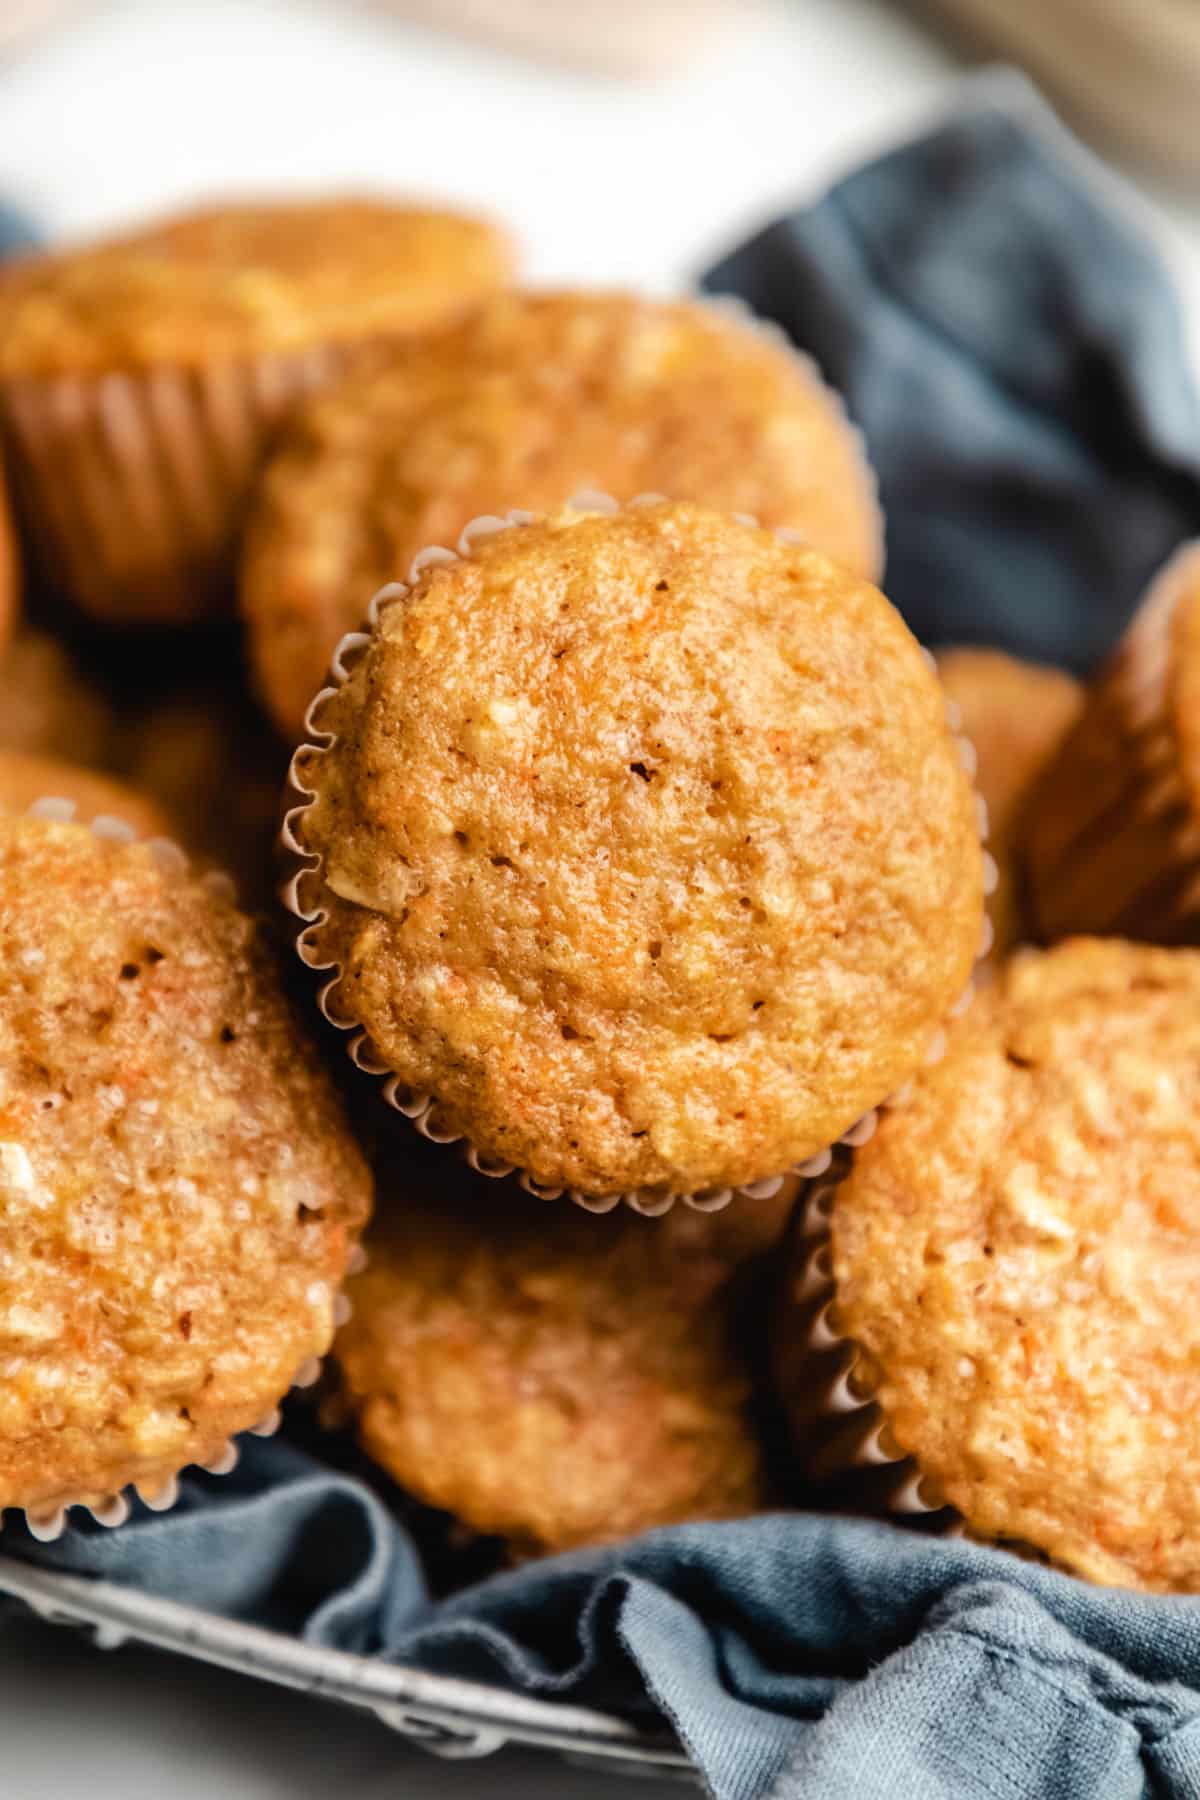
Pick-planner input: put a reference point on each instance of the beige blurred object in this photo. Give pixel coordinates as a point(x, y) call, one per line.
point(1128, 68)
point(640, 38)
point(23, 20)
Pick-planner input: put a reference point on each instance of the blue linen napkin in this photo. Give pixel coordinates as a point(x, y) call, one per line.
point(1014, 355)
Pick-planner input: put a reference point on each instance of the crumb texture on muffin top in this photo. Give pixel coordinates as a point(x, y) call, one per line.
point(1018, 1252)
point(240, 279)
point(178, 1191)
point(646, 849)
point(527, 401)
point(550, 1377)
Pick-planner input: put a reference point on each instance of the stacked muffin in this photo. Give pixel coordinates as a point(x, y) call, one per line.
point(633, 841)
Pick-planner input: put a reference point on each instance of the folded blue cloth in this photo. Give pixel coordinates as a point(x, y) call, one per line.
point(1014, 356)
point(17, 231)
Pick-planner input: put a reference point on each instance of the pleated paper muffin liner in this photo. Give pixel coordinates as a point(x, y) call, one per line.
point(304, 873)
point(131, 485)
point(1112, 839)
point(48, 1523)
point(828, 1388)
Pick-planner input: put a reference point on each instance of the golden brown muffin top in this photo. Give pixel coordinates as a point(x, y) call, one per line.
point(237, 280)
point(647, 849)
point(1015, 714)
point(523, 404)
point(1018, 1250)
point(25, 778)
point(178, 1191)
point(550, 1377)
point(48, 705)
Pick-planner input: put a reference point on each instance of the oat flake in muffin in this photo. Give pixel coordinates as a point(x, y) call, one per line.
point(1017, 1254)
point(179, 1195)
point(643, 846)
point(530, 399)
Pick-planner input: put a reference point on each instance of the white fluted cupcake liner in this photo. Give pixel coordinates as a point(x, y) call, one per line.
point(421, 1108)
point(827, 1389)
point(48, 1523)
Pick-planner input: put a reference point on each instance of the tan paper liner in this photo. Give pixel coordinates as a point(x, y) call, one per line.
point(1111, 843)
point(114, 1509)
point(838, 1432)
point(419, 1107)
point(132, 485)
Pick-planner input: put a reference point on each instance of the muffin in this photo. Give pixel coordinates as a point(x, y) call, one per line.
point(1111, 841)
point(180, 1192)
point(141, 377)
point(49, 706)
point(206, 755)
point(1015, 714)
point(549, 1377)
point(83, 794)
point(532, 398)
point(1014, 1272)
point(640, 850)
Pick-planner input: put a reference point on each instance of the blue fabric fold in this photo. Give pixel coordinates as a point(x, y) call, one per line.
point(796, 1655)
point(1014, 356)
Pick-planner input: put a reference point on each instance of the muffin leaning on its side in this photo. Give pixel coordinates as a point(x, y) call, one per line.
point(529, 400)
point(1111, 841)
point(638, 842)
point(551, 1378)
point(1009, 1298)
point(141, 377)
point(179, 1194)
point(1015, 714)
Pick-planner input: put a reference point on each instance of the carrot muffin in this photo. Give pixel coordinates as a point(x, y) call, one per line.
point(206, 755)
point(526, 402)
point(48, 704)
point(550, 1377)
point(179, 1195)
point(88, 794)
point(640, 843)
point(1015, 714)
point(140, 377)
point(1016, 1254)
point(1112, 832)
